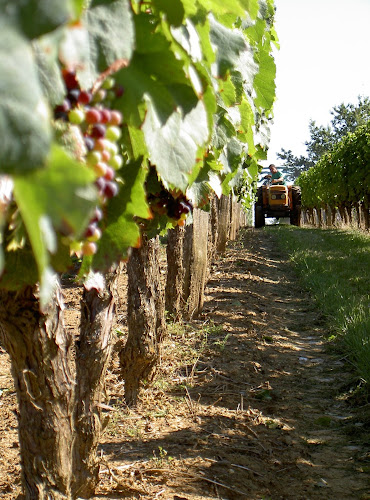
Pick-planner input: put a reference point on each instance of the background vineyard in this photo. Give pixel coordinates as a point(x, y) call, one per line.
point(338, 184)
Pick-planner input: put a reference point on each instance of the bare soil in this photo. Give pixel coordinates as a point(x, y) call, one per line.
point(250, 402)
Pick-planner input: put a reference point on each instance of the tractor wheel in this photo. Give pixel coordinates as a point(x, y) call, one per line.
point(295, 215)
point(259, 217)
point(296, 196)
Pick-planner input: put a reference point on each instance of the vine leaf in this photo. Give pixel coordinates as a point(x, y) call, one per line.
point(264, 82)
point(46, 54)
point(104, 36)
point(24, 118)
point(121, 231)
point(220, 7)
point(173, 9)
point(230, 45)
point(34, 18)
point(46, 208)
point(173, 146)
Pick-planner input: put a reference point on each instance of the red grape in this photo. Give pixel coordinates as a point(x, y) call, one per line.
point(98, 131)
point(105, 155)
point(89, 248)
point(93, 116)
point(73, 96)
point(89, 143)
point(116, 118)
point(109, 174)
point(105, 115)
point(100, 144)
point(70, 79)
point(111, 189)
point(100, 183)
point(84, 97)
point(119, 90)
point(90, 230)
point(65, 106)
point(97, 216)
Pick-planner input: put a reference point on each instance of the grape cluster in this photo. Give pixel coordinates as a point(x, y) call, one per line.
point(101, 131)
point(174, 205)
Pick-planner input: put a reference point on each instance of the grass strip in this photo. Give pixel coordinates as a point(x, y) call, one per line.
point(334, 265)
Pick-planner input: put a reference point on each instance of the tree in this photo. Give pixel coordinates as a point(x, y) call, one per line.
point(293, 165)
point(346, 118)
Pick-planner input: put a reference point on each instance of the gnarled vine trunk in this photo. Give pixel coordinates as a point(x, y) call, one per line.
point(234, 218)
point(223, 223)
point(42, 367)
point(175, 273)
point(212, 231)
point(145, 316)
point(93, 351)
point(195, 263)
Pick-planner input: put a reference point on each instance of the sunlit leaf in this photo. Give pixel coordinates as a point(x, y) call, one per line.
point(173, 146)
point(24, 115)
point(230, 44)
point(59, 198)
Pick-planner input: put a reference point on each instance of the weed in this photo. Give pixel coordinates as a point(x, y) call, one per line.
point(221, 344)
point(162, 459)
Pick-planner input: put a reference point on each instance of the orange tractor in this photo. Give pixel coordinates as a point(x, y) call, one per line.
point(277, 201)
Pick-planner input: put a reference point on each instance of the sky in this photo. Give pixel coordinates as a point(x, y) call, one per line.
point(323, 61)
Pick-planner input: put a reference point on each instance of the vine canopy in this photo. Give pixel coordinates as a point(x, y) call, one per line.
point(197, 91)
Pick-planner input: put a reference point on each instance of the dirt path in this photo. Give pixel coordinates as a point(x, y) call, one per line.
point(251, 408)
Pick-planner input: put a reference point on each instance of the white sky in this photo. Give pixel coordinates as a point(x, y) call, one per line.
point(324, 60)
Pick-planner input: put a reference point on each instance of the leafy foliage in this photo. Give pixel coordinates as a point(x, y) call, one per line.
point(342, 176)
point(194, 82)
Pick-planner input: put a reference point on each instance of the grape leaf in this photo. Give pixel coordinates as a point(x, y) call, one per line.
point(220, 7)
point(137, 83)
point(24, 118)
point(34, 18)
point(78, 6)
point(173, 146)
point(46, 58)
point(20, 269)
point(60, 198)
point(111, 33)
point(152, 71)
point(230, 44)
point(264, 82)
point(173, 9)
point(188, 37)
point(121, 231)
point(251, 6)
point(104, 36)
point(206, 179)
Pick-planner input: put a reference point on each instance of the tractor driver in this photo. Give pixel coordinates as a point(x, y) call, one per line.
point(276, 176)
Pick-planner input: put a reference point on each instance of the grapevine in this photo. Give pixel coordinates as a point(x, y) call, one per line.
point(120, 107)
point(341, 177)
point(99, 126)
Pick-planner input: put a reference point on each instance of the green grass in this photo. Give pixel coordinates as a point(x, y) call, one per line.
point(334, 265)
